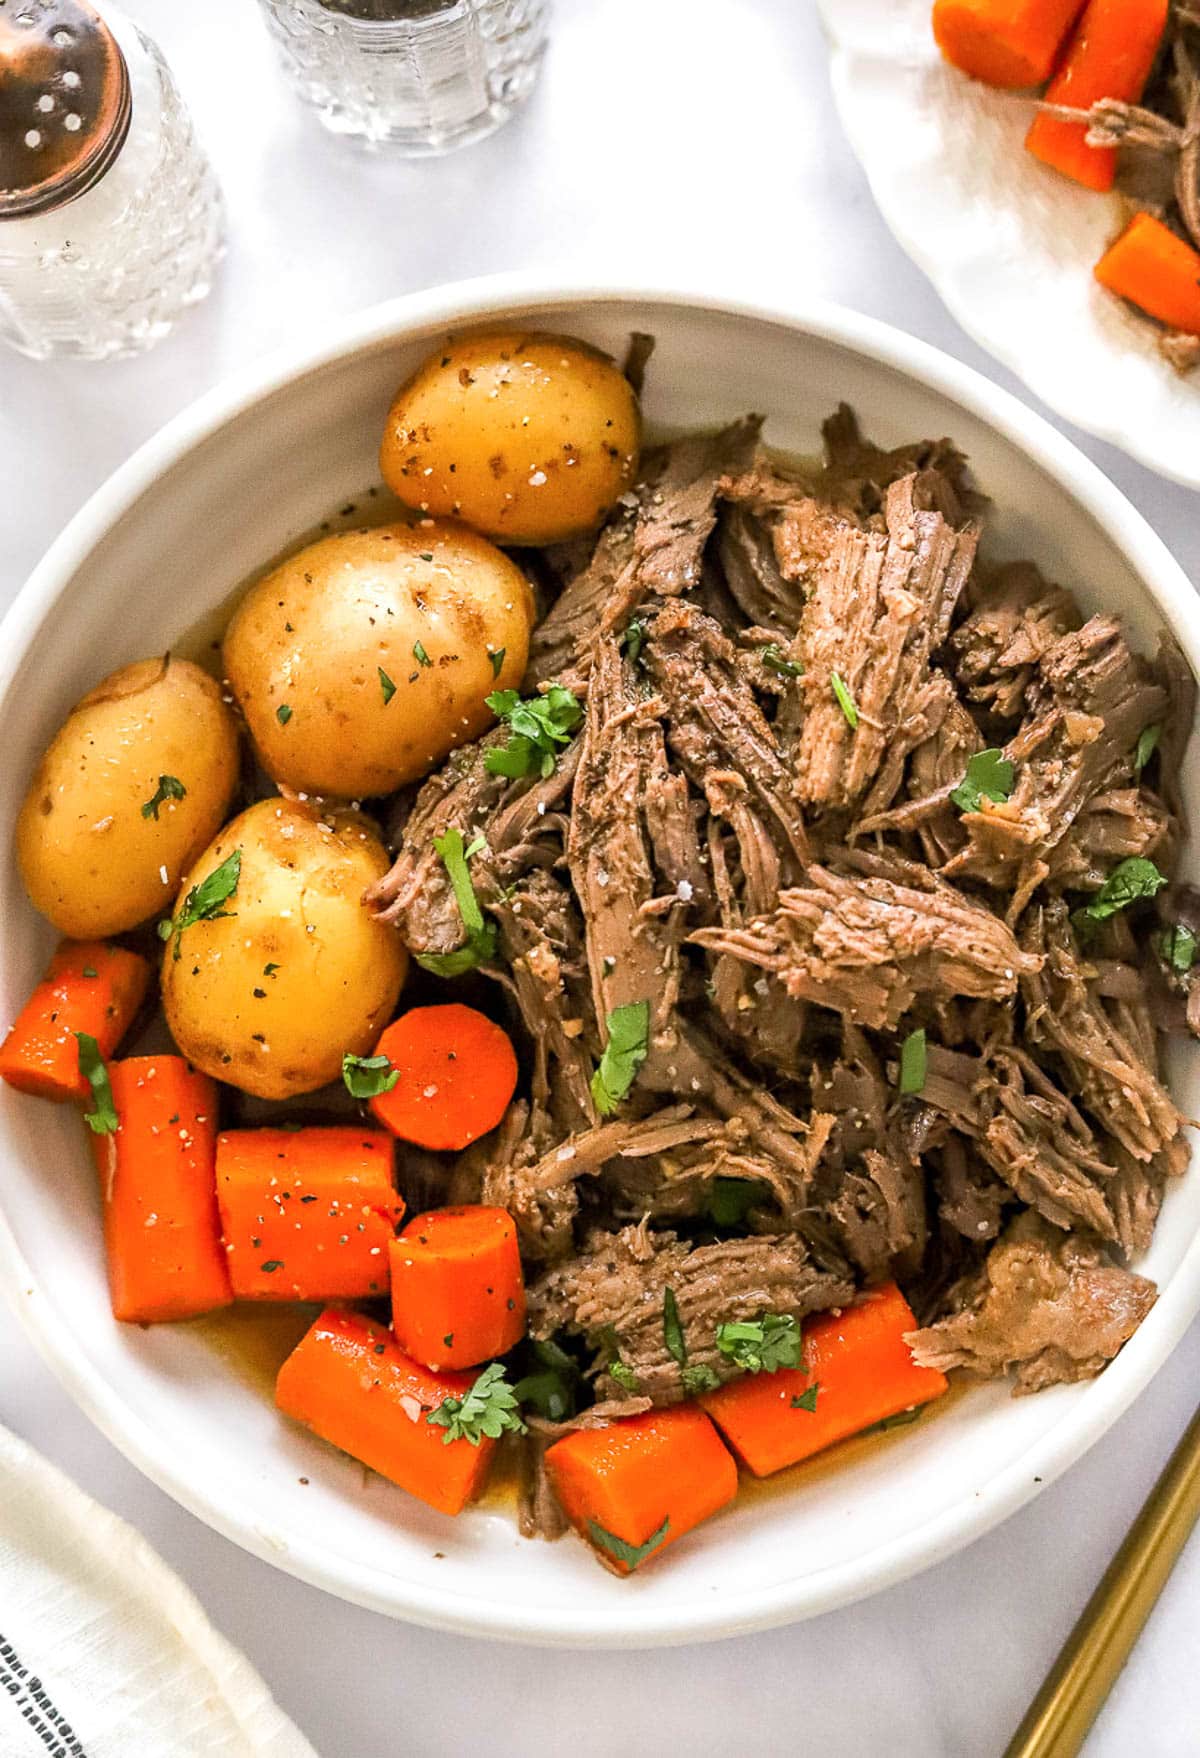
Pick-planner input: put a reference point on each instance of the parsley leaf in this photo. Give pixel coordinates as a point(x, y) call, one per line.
point(102, 1118)
point(673, 1335)
point(731, 1199)
point(489, 1408)
point(629, 1554)
point(169, 788)
point(628, 1030)
point(807, 1399)
point(496, 655)
point(633, 640)
point(368, 1076)
point(699, 1378)
point(912, 1062)
point(203, 902)
point(551, 1388)
point(539, 726)
point(624, 1376)
point(762, 1345)
point(386, 685)
point(844, 698)
point(420, 655)
point(989, 776)
point(902, 1419)
point(773, 659)
point(283, 714)
point(1146, 746)
point(1129, 881)
point(1176, 946)
point(481, 935)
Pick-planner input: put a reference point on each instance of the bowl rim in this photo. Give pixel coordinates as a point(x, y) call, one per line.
point(631, 1624)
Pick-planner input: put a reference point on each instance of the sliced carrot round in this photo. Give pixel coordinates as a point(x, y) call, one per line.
point(458, 1294)
point(457, 1073)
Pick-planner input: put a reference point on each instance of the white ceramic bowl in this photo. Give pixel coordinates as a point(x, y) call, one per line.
point(1008, 244)
point(170, 536)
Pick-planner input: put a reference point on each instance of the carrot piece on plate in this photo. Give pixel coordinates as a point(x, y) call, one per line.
point(350, 1382)
point(458, 1294)
point(858, 1370)
point(1007, 43)
point(1110, 55)
point(1156, 271)
point(158, 1185)
point(633, 1488)
point(90, 987)
point(307, 1214)
point(457, 1072)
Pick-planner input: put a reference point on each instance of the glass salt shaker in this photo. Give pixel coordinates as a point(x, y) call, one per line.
point(110, 217)
point(416, 76)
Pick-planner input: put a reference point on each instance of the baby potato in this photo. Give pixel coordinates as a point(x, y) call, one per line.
point(366, 658)
point(529, 438)
point(271, 993)
point(132, 786)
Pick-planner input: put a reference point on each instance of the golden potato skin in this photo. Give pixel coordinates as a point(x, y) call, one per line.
point(90, 860)
point(428, 605)
point(529, 438)
point(336, 972)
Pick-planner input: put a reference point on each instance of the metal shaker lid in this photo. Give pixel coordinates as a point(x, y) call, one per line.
point(65, 103)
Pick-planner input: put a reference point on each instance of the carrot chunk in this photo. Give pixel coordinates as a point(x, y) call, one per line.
point(1110, 55)
point(458, 1294)
point(457, 1070)
point(633, 1488)
point(858, 1370)
point(349, 1382)
point(1155, 270)
point(158, 1185)
point(90, 987)
point(1008, 43)
point(307, 1214)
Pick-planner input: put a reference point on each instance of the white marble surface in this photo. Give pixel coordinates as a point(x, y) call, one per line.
point(693, 138)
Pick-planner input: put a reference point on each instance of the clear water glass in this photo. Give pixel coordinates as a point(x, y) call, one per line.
point(416, 76)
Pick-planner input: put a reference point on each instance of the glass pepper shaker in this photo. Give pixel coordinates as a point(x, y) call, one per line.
point(110, 217)
point(416, 76)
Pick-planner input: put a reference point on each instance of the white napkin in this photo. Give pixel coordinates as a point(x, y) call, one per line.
point(104, 1653)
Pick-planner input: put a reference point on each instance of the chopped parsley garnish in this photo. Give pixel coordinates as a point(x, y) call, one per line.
point(1146, 746)
point(633, 640)
point(420, 655)
point(807, 1399)
point(283, 714)
point(1129, 881)
point(551, 1388)
point(89, 970)
point(169, 788)
point(844, 698)
point(912, 1062)
point(481, 935)
point(629, 1554)
point(269, 969)
point(386, 685)
point(774, 659)
point(102, 1118)
point(496, 655)
point(698, 1378)
point(989, 777)
point(539, 726)
point(203, 902)
point(1176, 946)
point(272, 1264)
point(628, 1030)
point(368, 1076)
point(624, 1376)
point(490, 1408)
point(762, 1345)
point(731, 1199)
point(673, 1335)
point(902, 1419)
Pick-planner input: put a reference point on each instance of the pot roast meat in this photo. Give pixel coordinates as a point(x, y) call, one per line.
point(793, 896)
point(1051, 1307)
point(867, 945)
point(613, 1293)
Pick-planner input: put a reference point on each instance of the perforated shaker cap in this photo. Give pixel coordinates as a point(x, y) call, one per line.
point(64, 103)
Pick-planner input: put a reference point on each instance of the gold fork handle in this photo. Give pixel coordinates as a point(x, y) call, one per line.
point(1076, 1686)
